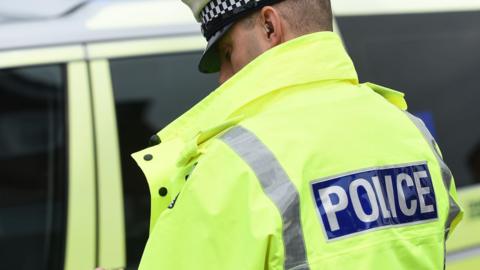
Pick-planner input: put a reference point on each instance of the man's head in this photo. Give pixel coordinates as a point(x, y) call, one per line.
point(268, 27)
point(240, 30)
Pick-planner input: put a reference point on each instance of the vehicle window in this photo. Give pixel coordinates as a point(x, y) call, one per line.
point(33, 182)
point(150, 92)
point(434, 59)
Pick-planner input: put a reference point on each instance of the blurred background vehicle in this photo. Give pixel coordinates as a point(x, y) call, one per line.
point(85, 83)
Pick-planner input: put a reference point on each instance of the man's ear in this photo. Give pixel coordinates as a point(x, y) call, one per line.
point(272, 25)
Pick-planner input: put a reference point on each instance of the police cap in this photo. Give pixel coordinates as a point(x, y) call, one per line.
point(216, 17)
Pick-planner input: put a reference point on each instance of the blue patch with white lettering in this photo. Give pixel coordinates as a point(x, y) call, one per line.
point(374, 199)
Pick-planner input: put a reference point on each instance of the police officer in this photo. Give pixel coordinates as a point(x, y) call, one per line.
point(292, 163)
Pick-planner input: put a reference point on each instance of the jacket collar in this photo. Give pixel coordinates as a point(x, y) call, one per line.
point(310, 58)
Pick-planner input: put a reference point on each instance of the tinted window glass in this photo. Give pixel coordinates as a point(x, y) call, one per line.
point(434, 59)
point(150, 92)
point(32, 168)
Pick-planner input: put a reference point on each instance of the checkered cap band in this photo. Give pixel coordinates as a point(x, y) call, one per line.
point(216, 8)
point(220, 13)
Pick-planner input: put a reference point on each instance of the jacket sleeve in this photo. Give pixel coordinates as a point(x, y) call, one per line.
point(221, 219)
point(455, 207)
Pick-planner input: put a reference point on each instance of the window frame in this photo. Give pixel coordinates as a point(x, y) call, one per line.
point(111, 221)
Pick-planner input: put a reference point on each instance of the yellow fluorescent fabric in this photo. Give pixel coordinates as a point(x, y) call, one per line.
point(239, 169)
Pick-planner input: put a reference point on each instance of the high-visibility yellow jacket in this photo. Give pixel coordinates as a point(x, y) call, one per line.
point(292, 164)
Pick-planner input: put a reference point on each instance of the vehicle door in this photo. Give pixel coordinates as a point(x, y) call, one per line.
point(47, 179)
point(139, 86)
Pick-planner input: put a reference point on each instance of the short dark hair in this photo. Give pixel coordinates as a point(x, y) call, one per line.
point(307, 16)
point(303, 16)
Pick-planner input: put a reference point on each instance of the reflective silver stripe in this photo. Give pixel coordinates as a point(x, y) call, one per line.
point(454, 209)
point(278, 187)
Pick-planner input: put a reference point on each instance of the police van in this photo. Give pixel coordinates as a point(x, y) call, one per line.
point(85, 83)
